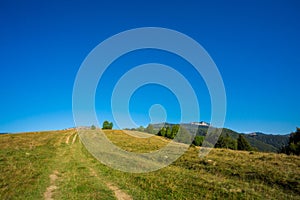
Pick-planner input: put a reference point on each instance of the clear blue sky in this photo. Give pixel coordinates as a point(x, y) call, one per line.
point(255, 44)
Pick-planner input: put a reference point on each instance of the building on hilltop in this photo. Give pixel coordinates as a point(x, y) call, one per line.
point(202, 123)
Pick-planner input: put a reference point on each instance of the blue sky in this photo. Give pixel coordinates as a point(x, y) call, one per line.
point(255, 45)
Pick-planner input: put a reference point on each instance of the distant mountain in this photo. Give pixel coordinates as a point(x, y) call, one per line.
point(275, 140)
point(260, 141)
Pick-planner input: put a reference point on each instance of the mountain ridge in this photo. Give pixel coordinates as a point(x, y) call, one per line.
point(261, 141)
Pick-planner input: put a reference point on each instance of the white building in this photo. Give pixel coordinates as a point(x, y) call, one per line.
point(202, 123)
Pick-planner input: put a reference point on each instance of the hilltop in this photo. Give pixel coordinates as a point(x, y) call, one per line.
point(56, 165)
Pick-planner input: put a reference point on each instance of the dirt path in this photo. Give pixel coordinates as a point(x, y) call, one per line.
point(70, 156)
point(119, 194)
point(68, 138)
point(74, 138)
point(49, 191)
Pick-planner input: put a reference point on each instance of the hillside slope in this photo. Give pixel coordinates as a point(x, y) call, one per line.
point(277, 141)
point(56, 165)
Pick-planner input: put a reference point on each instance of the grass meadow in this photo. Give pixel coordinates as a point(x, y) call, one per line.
point(29, 161)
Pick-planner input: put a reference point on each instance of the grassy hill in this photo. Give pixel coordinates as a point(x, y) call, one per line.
point(56, 165)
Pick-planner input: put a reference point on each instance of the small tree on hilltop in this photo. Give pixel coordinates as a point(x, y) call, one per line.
point(107, 125)
point(242, 144)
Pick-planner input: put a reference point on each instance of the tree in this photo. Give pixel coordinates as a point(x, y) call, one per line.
point(293, 146)
point(221, 142)
point(230, 143)
point(226, 142)
point(198, 140)
point(107, 125)
point(242, 144)
point(174, 130)
point(162, 132)
point(169, 133)
point(93, 127)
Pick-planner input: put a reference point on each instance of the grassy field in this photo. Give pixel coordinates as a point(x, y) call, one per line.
point(45, 165)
